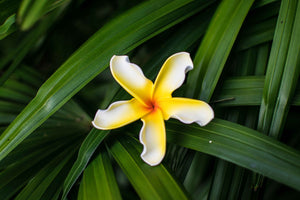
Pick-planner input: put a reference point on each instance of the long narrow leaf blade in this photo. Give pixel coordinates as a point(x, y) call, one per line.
point(88, 147)
point(149, 182)
point(242, 146)
point(289, 80)
point(276, 63)
point(99, 181)
point(215, 47)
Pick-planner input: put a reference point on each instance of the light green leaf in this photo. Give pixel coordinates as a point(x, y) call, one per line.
point(88, 147)
point(31, 11)
point(98, 181)
point(149, 182)
point(7, 27)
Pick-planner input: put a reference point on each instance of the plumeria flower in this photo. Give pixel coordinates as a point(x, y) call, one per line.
point(152, 103)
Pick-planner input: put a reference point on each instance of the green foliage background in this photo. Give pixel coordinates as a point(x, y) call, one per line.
point(54, 57)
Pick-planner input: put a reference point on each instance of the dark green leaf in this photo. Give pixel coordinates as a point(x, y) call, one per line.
point(242, 146)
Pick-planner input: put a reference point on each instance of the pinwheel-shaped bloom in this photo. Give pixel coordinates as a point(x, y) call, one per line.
point(152, 103)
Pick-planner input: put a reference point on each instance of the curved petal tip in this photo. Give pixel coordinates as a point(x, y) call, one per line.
point(152, 158)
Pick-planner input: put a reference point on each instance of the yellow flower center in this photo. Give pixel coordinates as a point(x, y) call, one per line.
point(152, 105)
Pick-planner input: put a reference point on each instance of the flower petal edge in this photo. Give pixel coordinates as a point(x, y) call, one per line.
point(153, 138)
point(172, 75)
point(187, 110)
point(131, 78)
point(118, 114)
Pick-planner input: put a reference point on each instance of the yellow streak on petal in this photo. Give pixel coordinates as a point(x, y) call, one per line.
point(186, 110)
point(153, 137)
point(119, 114)
point(131, 78)
point(172, 75)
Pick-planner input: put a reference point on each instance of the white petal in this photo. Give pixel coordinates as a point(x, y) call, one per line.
point(153, 137)
point(187, 110)
point(119, 114)
point(131, 78)
point(172, 75)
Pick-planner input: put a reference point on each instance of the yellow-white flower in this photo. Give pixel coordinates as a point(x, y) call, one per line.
point(152, 103)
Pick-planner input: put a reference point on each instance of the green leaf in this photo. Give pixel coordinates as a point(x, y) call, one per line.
point(261, 3)
point(26, 44)
point(256, 33)
point(221, 181)
point(86, 151)
point(276, 63)
point(289, 80)
point(237, 183)
point(240, 90)
point(98, 181)
point(31, 11)
point(215, 47)
point(245, 91)
point(262, 59)
point(34, 143)
point(149, 182)
point(227, 176)
point(19, 173)
point(7, 27)
point(38, 185)
point(242, 146)
point(8, 8)
point(197, 173)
